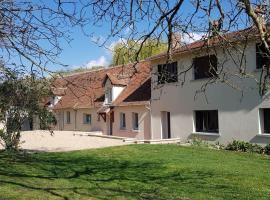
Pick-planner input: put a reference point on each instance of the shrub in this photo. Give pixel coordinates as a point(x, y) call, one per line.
point(198, 142)
point(234, 145)
point(244, 147)
point(267, 149)
point(257, 149)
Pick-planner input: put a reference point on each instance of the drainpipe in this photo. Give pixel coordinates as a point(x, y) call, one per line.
point(148, 108)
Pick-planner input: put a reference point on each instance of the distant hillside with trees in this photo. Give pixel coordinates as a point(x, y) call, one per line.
point(65, 72)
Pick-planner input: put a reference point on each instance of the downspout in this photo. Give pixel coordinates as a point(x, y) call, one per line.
point(149, 108)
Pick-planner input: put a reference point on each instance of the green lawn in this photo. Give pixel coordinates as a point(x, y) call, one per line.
point(136, 172)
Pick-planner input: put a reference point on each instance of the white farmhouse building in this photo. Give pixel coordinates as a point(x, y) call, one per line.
point(230, 107)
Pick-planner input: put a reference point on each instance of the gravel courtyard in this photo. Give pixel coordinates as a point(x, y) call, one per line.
point(63, 141)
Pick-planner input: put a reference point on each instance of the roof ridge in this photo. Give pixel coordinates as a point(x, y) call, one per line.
point(103, 69)
point(188, 46)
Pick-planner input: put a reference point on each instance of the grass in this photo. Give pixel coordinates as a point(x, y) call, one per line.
point(136, 172)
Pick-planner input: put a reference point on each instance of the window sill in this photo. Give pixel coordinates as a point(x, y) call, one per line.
point(206, 134)
point(135, 130)
point(122, 129)
point(263, 135)
point(165, 84)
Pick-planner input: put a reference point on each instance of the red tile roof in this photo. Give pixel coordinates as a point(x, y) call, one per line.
point(86, 90)
point(117, 79)
point(223, 39)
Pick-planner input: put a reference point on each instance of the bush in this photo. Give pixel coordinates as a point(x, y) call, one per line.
point(198, 142)
point(257, 149)
point(267, 149)
point(245, 147)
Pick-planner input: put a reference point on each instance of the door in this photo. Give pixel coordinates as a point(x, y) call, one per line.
point(169, 124)
point(111, 127)
point(110, 123)
point(166, 124)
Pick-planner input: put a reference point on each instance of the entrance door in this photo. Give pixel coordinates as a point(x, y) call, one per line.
point(166, 124)
point(169, 124)
point(110, 123)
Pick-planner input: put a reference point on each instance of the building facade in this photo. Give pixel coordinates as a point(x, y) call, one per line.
point(196, 94)
point(114, 101)
point(196, 104)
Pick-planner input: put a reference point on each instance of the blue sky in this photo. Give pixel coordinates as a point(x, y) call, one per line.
point(82, 51)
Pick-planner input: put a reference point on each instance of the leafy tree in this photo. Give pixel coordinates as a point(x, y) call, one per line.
point(77, 70)
point(21, 99)
point(124, 53)
point(30, 36)
point(192, 19)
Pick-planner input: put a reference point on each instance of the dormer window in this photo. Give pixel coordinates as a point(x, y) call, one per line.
point(108, 96)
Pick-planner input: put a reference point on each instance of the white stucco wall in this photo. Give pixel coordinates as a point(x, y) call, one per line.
point(116, 90)
point(77, 121)
point(238, 115)
point(144, 131)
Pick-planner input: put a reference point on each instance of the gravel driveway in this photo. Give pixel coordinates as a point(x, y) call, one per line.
point(64, 141)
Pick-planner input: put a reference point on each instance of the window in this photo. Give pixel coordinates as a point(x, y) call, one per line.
point(68, 117)
point(265, 120)
point(167, 73)
point(86, 118)
point(135, 121)
point(205, 67)
point(262, 59)
point(206, 121)
point(108, 95)
point(122, 120)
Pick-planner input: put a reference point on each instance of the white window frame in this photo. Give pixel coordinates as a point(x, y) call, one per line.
point(68, 117)
point(122, 120)
point(261, 122)
point(85, 118)
point(108, 96)
point(135, 125)
point(204, 132)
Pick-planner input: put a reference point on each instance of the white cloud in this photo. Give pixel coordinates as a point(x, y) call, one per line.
point(119, 41)
point(187, 38)
point(101, 61)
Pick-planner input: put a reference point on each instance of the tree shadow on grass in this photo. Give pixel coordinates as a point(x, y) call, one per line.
point(104, 178)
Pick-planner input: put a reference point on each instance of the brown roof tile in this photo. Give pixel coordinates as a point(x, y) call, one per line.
point(117, 79)
point(86, 90)
point(222, 39)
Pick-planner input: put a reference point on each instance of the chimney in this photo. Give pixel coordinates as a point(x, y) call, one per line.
point(215, 27)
